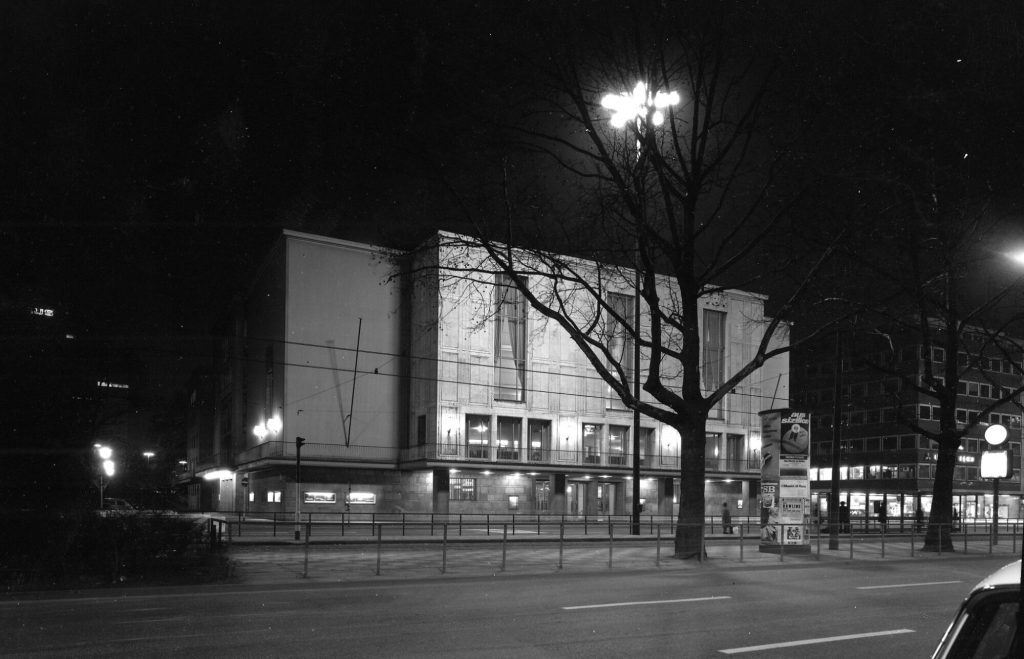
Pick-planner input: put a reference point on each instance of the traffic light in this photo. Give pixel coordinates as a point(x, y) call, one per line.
point(299, 441)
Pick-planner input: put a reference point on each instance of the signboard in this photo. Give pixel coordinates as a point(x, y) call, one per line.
point(361, 498)
point(319, 497)
point(785, 480)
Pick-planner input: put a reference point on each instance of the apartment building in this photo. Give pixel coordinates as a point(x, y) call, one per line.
point(406, 384)
point(885, 465)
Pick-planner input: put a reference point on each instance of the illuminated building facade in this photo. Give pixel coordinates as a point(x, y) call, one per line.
point(416, 390)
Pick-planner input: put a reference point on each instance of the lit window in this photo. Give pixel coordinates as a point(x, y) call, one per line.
point(462, 489)
point(274, 496)
point(510, 339)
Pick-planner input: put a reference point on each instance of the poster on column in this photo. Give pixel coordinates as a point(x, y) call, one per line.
point(785, 480)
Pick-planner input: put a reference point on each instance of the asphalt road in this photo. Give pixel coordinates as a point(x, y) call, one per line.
point(893, 608)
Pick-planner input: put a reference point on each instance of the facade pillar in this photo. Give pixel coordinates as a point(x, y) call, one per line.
point(442, 487)
point(558, 494)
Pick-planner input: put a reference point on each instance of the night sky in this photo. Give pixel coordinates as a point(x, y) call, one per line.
point(153, 149)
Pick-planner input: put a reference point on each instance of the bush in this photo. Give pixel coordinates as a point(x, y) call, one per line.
point(84, 548)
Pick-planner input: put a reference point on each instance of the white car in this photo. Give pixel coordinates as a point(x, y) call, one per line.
point(986, 623)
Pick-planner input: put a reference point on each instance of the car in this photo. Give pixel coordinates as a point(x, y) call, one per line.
point(117, 505)
point(985, 625)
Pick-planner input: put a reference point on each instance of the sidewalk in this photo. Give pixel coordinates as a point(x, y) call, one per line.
point(357, 559)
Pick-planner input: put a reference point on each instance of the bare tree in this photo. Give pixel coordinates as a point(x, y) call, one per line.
point(680, 204)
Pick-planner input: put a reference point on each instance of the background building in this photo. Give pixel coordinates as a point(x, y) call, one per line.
point(884, 463)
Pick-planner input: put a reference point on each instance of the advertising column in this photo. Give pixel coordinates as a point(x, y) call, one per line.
point(785, 499)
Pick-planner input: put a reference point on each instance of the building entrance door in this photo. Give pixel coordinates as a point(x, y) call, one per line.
point(606, 498)
point(576, 493)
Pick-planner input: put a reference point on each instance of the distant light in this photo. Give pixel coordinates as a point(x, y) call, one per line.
point(148, 454)
point(487, 473)
point(105, 452)
point(41, 311)
point(274, 424)
point(260, 431)
point(108, 467)
point(103, 384)
point(219, 474)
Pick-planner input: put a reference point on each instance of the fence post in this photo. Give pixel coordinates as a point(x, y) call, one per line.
point(538, 524)
point(913, 539)
point(883, 540)
point(851, 542)
point(741, 543)
point(305, 560)
point(782, 543)
point(444, 546)
point(380, 530)
point(610, 542)
point(274, 524)
point(488, 523)
point(657, 547)
point(701, 549)
point(504, 543)
point(561, 540)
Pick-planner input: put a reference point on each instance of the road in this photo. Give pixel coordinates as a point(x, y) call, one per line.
point(894, 608)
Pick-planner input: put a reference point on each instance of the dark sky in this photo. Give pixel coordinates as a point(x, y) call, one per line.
point(154, 149)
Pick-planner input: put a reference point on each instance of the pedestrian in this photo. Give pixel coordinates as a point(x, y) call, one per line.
point(919, 518)
point(726, 518)
point(844, 517)
point(883, 518)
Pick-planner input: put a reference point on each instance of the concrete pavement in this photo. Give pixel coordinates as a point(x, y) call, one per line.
point(280, 561)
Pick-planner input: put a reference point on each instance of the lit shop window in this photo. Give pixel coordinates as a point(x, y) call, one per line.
point(462, 489)
point(274, 496)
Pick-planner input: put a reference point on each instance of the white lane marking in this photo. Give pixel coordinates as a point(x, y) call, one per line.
point(613, 604)
point(813, 641)
point(909, 585)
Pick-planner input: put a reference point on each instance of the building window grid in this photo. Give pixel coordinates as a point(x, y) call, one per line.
point(462, 489)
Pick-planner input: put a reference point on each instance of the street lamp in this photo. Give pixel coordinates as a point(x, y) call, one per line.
point(996, 463)
point(107, 467)
point(644, 108)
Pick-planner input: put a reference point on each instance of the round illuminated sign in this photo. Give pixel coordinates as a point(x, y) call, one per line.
point(995, 434)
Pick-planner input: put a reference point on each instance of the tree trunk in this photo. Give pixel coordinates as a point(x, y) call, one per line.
point(689, 542)
point(941, 516)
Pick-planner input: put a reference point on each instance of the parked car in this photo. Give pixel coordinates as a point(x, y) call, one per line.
point(985, 625)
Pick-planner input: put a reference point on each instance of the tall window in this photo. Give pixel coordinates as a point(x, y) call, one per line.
point(620, 339)
point(510, 339)
point(478, 436)
point(510, 436)
point(618, 440)
point(713, 343)
point(591, 443)
point(713, 346)
point(539, 438)
point(648, 446)
point(542, 495)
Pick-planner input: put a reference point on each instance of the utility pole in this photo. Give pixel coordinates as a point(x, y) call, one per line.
point(299, 441)
point(837, 414)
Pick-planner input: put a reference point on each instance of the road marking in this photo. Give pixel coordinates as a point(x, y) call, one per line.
point(909, 585)
point(813, 641)
point(613, 604)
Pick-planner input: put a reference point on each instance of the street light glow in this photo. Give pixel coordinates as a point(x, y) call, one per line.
point(635, 105)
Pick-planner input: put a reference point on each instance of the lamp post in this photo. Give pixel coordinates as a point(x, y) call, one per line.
point(299, 441)
point(995, 464)
point(107, 467)
point(644, 109)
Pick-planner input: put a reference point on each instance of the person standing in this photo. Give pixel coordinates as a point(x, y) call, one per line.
point(726, 518)
point(844, 517)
